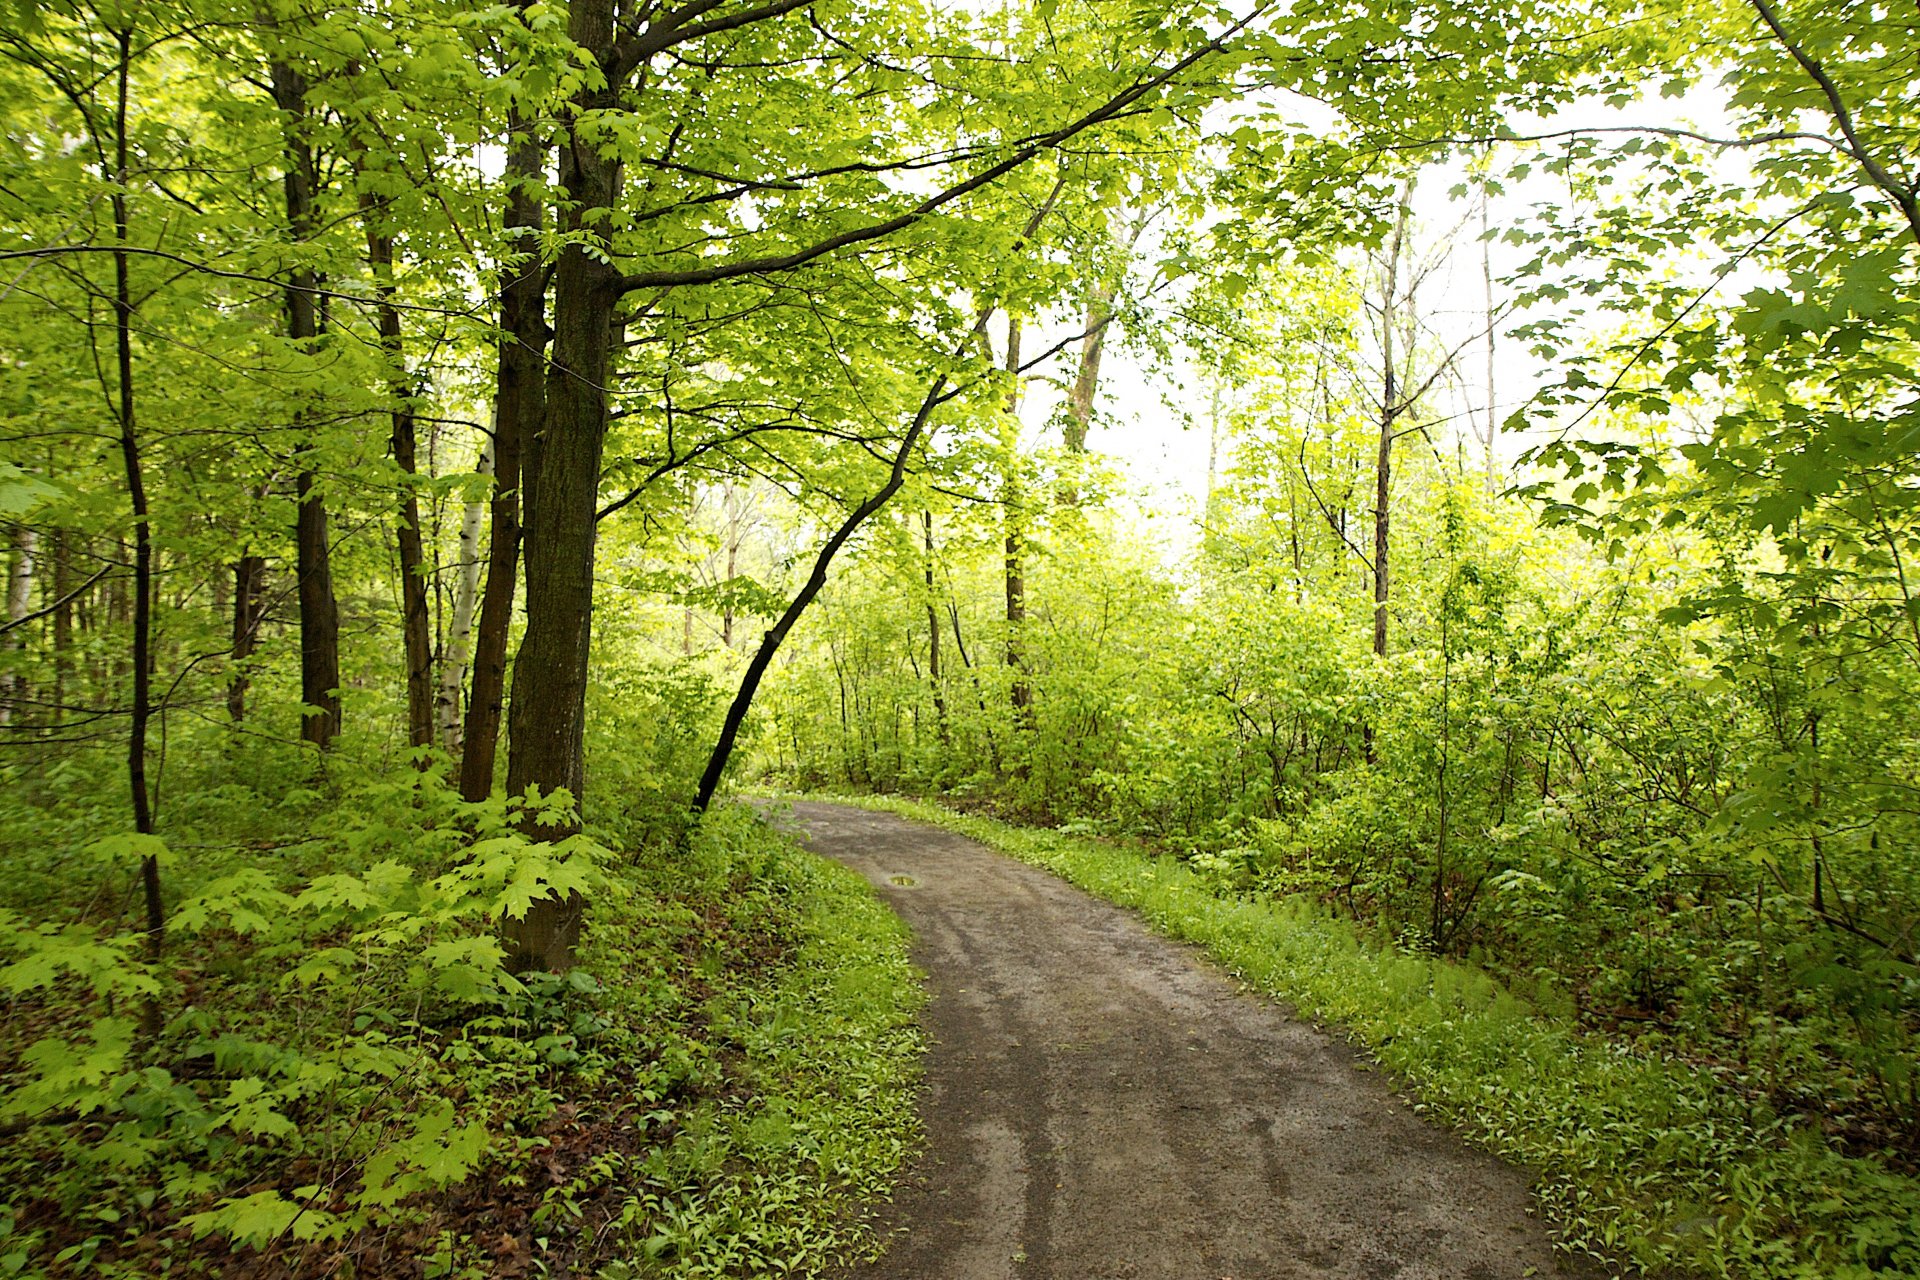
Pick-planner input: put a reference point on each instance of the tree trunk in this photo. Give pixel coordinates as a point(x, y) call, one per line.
point(142, 649)
point(466, 597)
point(1486, 284)
point(731, 502)
point(547, 712)
point(519, 402)
point(933, 632)
point(1020, 692)
point(64, 589)
point(416, 625)
point(1390, 410)
point(319, 612)
point(249, 581)
point(26, 546)
point(1086, 379)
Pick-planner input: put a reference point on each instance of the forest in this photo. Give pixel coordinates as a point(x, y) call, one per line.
point(453, 455)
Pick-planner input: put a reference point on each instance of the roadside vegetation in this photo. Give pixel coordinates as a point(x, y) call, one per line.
point(345, 1079)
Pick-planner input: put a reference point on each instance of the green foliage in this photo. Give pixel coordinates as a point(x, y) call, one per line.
point(1646, 762)
point(350, 1057)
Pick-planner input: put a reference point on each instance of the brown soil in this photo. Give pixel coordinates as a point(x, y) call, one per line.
point(1101, 1103)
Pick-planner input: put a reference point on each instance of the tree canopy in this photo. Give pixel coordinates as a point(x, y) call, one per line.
point(445, 448)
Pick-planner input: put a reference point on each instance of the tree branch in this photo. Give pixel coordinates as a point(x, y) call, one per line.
point(1902, 196)
point(1114, 106)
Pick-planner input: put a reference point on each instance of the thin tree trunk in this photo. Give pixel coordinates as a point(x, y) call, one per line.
point(466, 597)
point(1390, 410)
point(816, 580)
point(26, 545)
point(519, 401)
point(933, 632)
point(319, 612)
point(1486, 283)
point(416, 625)
point(730, 502)
point(64, 589)
point(1020, 693)
point(979, 694)
point(142, 649)
point(1086, 379)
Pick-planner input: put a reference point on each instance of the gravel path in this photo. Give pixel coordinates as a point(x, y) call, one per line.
point(1102, 1103)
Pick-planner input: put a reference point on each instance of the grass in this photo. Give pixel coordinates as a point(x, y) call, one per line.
point(778, 1179)
point(1642, 1162)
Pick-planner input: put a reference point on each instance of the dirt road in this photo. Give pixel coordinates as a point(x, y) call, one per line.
point(1102, 1103)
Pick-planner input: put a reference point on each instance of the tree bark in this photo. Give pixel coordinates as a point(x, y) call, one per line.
point(519, 402)
point(1086, 378)
point(142, 649)
point(64, 590)
point(933, 632)
point(731, 505)
point(416, 625)
point(1390, 410)
point(249, 583)
point(466, 598)
point(319, 612)
point(26, 548)
point(547, 712)
point(1020, 693)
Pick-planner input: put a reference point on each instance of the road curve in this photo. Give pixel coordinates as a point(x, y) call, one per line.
point(1104, 1104)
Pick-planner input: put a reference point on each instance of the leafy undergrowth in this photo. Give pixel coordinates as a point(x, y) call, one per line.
point(347, 1082)
point(1644, 1162)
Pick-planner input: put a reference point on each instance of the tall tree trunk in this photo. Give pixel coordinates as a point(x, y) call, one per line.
point(519, 403)
point(1390, 411)
point(319, 612)
point(816, 580)
point(415, 621)
point(416, 625)
point(979, 694)
point(547, 712)
point(1207, 512)
point(1020, 692)
point(142, 650)
point(731, 503)
point(1486, 284)
point(1086, 378)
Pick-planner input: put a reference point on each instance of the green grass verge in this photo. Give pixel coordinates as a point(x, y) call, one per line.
point(817, 1063)
point(1644, 1162)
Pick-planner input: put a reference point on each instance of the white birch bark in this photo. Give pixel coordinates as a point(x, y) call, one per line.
point(466, 595)
point(26, 545)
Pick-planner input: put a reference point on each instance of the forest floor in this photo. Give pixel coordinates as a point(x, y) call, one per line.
point(1102, 1103)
